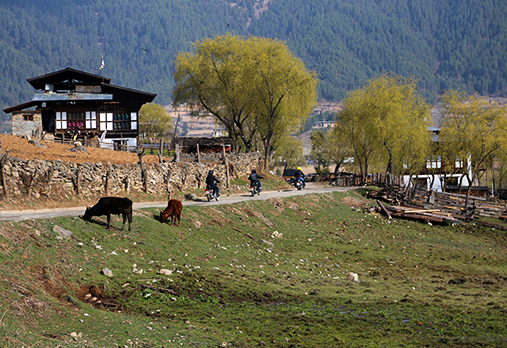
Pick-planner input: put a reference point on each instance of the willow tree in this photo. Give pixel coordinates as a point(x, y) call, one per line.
point(472, 131)
point(290, 152)
point(398, 116)
point(254, 86)
point(351, 127)
point(386, 120)
point(328, 147)
point(155, 122)
point(284, 91)
point(213, 79)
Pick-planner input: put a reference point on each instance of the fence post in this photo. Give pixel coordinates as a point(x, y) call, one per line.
point(226, 163)
point(78, 181)
point(177, 152)
point(198, 154)
point(145, 177)
point(161, 150)
point(168, 184)
point(106, 185)
point(3, 160)
point(127, 182)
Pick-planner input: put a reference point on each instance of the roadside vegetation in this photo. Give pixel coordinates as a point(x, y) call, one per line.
point(273, 273)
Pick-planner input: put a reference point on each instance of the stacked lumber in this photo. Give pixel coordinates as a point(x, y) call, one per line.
point(452, 205)
point(425, 215)
point(390, 193)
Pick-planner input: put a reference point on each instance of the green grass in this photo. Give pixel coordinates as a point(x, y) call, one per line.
point(420, 284)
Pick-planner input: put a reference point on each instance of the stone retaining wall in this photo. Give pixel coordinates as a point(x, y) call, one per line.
point(57, 179)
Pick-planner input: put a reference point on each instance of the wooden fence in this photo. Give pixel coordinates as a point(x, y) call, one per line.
point(344, 179)
point(161, 149)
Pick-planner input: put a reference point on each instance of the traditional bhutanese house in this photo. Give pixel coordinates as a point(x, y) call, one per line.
point(73, 104)
point(436, 177)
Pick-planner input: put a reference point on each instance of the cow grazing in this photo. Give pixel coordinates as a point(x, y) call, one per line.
point(173, 210)
point(111, 205)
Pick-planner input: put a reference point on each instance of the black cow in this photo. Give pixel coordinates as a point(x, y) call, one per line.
point(111, 205)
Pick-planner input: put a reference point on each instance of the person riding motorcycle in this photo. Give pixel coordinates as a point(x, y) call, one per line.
point(299, 176)
point(254, 179)
point(211, 181)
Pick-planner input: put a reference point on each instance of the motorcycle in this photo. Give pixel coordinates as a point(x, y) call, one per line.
point(299, 184)
point(255, 190)
point(211, 194)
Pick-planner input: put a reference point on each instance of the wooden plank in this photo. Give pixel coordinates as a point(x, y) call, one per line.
point(421, 210)
point(384, 210)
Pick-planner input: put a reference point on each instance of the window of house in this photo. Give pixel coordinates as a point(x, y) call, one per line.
point(434, 162)
point(106, 121)
point(117, 121)
point(27, 117)
point(133, 120)
point(91, 120)
point(459, 163)
point(121, 121)
point(76, 120)
point(61, 120)
point(76, 115)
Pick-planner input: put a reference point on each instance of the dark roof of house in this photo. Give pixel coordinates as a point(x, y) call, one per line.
point(66, 77)
point(20, 107)
point(108, 88)
point(65, 80)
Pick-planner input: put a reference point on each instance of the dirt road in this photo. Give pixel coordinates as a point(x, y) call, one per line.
point(20, 215)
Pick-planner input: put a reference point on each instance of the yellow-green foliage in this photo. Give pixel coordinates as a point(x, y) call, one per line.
point(473, 130)
point(254, 86)
point(154, 122)
point(386, 121)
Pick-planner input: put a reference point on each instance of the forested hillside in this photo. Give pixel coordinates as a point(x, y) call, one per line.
point(442, 43)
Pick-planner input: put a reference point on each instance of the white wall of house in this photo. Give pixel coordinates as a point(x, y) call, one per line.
point(108, 143)
point(434, 163)
point(438, 182)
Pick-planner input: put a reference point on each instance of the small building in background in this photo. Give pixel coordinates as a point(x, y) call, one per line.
point(435, 177)
point(75, 105)
point(205, 145)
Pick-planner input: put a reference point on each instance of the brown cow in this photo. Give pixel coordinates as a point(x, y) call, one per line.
point(173, 210)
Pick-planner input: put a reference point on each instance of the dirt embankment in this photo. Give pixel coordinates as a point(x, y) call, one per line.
point(21, 148)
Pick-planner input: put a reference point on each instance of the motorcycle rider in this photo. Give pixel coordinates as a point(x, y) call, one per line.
point(299, 176)
point(254, 179)
point(211, 181)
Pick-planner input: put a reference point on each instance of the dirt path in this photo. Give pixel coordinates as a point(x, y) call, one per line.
point(20, 215)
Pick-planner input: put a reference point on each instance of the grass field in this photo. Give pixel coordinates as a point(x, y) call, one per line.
point(273, 273)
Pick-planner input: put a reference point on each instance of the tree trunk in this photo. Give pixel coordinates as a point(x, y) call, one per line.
point(338, 165)
point(389, 168)
point(469, 189)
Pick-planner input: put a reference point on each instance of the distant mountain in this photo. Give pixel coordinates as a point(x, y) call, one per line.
point(442, 43)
